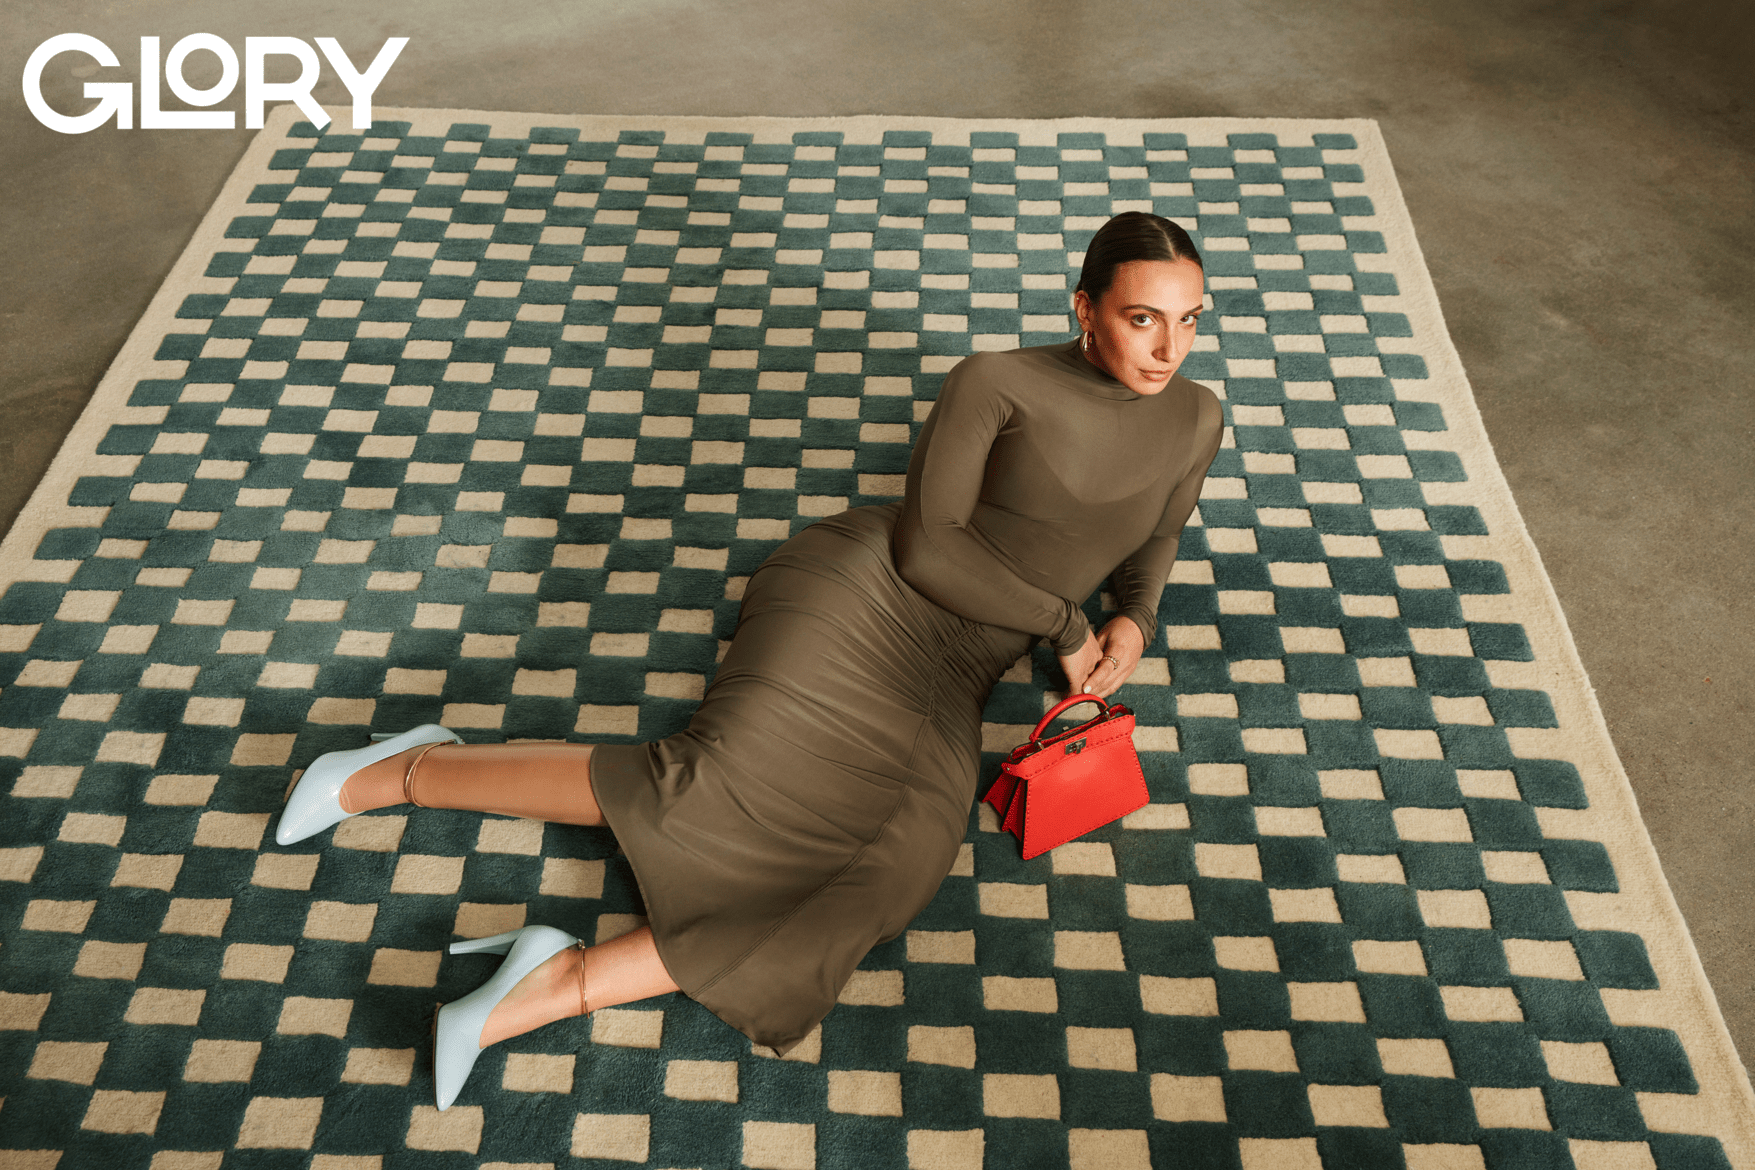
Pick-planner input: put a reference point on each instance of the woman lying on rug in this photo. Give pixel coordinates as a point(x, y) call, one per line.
point(822, 789)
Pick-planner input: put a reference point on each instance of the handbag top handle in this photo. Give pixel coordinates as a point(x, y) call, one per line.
point(1066, 704)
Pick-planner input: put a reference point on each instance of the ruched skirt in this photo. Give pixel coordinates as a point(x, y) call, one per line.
point(820, 792)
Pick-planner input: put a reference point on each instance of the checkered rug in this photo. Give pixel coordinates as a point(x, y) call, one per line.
point(484, 419)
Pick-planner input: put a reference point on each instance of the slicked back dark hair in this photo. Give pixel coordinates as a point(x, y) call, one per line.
point(1132, 235)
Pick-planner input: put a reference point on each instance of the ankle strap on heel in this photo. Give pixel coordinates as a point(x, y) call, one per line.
point(408, 777)
point(584, 1008)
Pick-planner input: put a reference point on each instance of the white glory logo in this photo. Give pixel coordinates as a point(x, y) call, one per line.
point(116, 98)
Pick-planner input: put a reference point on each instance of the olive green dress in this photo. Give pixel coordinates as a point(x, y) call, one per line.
point(821, 791)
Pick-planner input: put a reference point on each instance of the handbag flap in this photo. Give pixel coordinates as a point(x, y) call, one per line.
point(1071, 744)
point(1030, 747)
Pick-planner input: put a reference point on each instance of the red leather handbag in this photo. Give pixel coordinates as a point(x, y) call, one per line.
point(1052, 790)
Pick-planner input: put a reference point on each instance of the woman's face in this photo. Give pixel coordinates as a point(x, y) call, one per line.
point(1144, 324)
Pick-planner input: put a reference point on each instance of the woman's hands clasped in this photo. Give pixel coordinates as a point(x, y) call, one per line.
point(1106, 660)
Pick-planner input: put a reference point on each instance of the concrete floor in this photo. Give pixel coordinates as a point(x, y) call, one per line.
point(1580, 176)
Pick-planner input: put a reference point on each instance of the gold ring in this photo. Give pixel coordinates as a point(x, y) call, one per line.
point(1111, 658)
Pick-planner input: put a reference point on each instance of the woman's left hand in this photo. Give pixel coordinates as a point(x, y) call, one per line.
point(1122, 644)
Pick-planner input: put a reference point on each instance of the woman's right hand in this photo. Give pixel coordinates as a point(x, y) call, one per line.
point(1080, 663)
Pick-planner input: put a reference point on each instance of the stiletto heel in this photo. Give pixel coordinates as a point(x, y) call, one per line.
point(495, 944)
point(314, 803)
point(457, 1029)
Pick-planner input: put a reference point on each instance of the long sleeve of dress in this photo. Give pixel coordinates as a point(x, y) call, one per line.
point(936, 550)
point(1139, 580)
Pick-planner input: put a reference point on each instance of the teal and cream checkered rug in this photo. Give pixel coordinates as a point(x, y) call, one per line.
point(484, 419)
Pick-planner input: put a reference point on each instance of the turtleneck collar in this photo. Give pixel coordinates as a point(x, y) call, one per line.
point(1090, 378)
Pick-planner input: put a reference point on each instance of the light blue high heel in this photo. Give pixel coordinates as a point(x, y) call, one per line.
point(457, 1031)
point(315, 802)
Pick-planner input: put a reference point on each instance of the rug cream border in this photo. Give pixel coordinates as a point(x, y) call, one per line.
point(1725, 1105)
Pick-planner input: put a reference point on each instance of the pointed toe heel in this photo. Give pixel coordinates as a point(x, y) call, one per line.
point(457, 1030)
point(315, 801)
